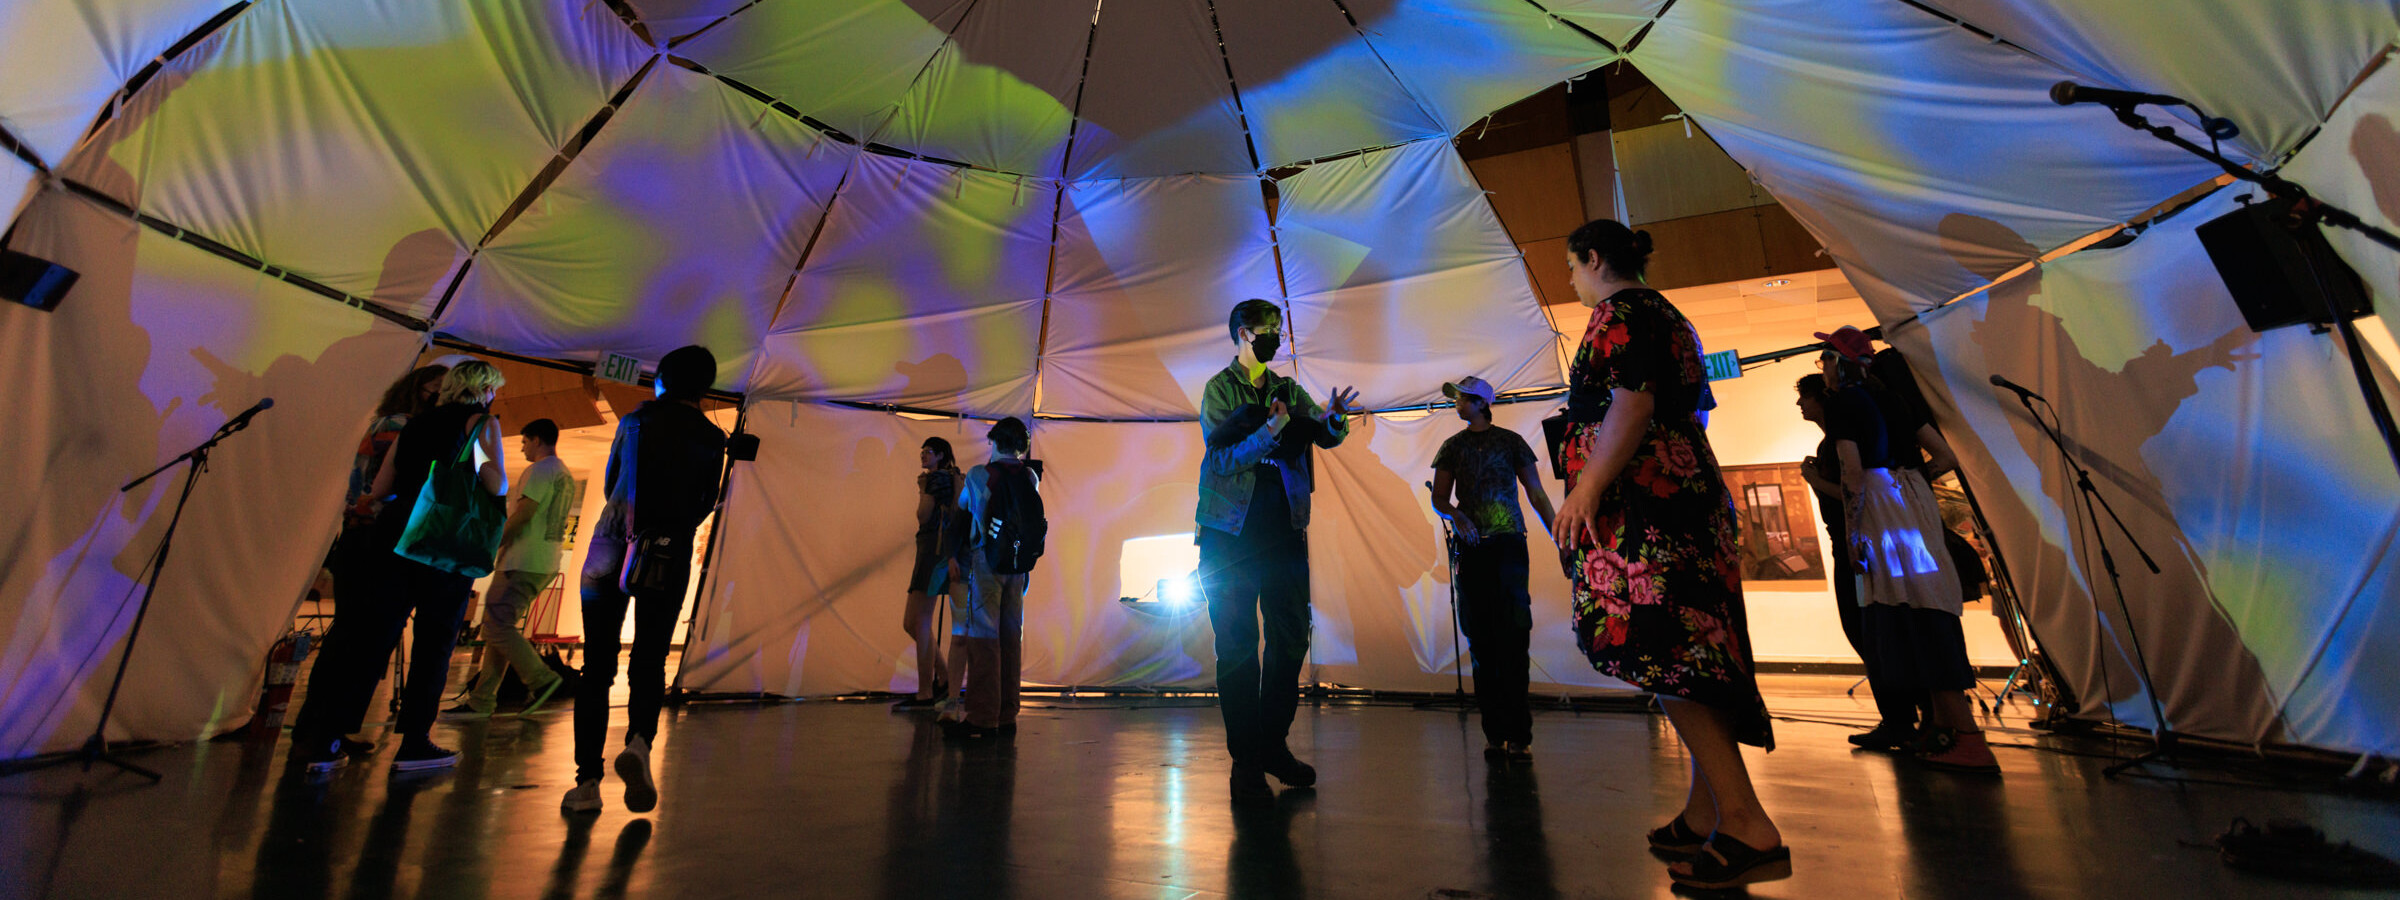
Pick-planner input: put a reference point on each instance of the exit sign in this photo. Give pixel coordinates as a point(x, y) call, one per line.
point(1723, 364)
point(624, 369)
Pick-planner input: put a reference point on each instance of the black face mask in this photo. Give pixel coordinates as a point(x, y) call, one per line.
point(1264, 346)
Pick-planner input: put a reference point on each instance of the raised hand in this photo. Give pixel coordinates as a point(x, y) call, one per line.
point(1345, 402)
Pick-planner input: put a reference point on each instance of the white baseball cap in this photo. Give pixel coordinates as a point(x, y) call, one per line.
point(1469, 386)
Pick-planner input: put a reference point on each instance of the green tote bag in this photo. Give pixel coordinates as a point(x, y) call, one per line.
point(455, 526)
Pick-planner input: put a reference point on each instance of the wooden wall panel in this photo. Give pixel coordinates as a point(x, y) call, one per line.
point(1667, 175)
point(1534, 191)
point(1547, 260)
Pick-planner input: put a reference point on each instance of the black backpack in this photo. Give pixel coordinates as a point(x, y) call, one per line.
point(1015, 525)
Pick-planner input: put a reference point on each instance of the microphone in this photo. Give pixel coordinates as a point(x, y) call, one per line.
point(2067, 93)
point(2023, 392)
point(242, 421)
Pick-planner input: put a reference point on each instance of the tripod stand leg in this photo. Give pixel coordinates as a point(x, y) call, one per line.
point(111, 759)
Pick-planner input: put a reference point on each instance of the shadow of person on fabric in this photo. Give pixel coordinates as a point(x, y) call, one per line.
point(2375, 145)
point(1372, 533)
point(936, 382)
point(2215, 685)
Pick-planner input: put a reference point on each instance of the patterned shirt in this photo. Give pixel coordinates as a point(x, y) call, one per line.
point(1484, 465)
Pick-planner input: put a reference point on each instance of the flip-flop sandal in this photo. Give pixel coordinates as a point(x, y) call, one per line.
point(1727, 863)
point(1675, 841)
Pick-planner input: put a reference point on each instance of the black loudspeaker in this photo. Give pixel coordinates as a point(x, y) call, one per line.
point(2280, 268)
point(742, 446)
point(38, 283)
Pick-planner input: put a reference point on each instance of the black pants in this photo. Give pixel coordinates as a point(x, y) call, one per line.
point(604, 607)
point(1257, 584)
point(388, 590)
point(1497, 614)
point(1895, 704)
point(354, 563)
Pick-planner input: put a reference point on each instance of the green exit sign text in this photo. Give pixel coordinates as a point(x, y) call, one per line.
point(1724, 364)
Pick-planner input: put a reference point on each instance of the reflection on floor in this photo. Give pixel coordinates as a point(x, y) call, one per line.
point(1115, 798)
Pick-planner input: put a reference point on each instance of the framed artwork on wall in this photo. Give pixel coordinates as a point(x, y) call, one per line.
point(1779, 527)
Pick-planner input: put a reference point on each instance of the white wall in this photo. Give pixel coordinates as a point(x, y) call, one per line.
point(1756, 423)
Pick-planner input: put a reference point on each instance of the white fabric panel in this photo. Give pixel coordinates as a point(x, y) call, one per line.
point(806, 592)
point(844, 64)
point(1464, 59)
point(156, 346)
point(925, 288)
point(2354, 163)
point(807, 602)
point(681, 223)
point(1872, 122)
point(66, 60)
point(1155, 100)
point(2244, 463)
point(1002, 92)
point(1105, 484)
point(671, 19)
point(1616, 20)
point(365, 147)
point(2345, 697)
point(1401, 278)
point(1312, 86)
point(1380, 582)
point(2275, 69)
point(1148, 269)
point(18, 182)
point(1397, 341)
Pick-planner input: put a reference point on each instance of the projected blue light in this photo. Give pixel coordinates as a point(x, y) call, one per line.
point(1179, 591)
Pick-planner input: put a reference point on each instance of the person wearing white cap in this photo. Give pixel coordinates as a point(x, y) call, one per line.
point(1475, 477)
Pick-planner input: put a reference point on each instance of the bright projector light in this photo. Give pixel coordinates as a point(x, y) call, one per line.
point(1164, 570)
point(1182, 590)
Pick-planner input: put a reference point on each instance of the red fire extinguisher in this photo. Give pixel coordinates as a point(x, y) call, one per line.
point(275, 698)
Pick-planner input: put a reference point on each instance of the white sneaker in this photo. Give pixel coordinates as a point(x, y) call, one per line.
point(633, 766)
point(584, 798)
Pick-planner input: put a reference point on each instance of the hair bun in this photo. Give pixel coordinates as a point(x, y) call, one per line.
point(1641, 242)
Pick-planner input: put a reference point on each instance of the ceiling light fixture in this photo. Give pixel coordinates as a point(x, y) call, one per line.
point(1779, 282)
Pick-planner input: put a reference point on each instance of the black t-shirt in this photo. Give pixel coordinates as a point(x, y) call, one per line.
point(435, 435)
point(1270, 507)
point(1904, 407)
point(1852, 415)
point(662, 470)
point(1829, 506)
point(1900, 423)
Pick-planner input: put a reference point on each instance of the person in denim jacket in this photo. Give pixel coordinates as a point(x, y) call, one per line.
point(1253, 537)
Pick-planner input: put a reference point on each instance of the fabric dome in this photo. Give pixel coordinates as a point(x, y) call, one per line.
point(1047, 206)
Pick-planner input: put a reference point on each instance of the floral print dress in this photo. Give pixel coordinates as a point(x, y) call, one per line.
point(1658, 602)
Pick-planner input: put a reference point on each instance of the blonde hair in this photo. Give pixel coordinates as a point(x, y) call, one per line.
point(469, 381)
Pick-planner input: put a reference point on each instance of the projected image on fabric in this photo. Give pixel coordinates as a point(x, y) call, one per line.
point(2120, 386)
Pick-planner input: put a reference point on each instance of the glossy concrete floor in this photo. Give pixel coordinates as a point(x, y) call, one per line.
point(1115, 798)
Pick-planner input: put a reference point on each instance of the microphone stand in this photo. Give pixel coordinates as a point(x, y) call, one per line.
point(95, 749)
point(1458, 661)
point(2093, 503)
point(2311, 211)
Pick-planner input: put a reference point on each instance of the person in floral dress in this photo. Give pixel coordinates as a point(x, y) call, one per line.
point(1653, 547)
